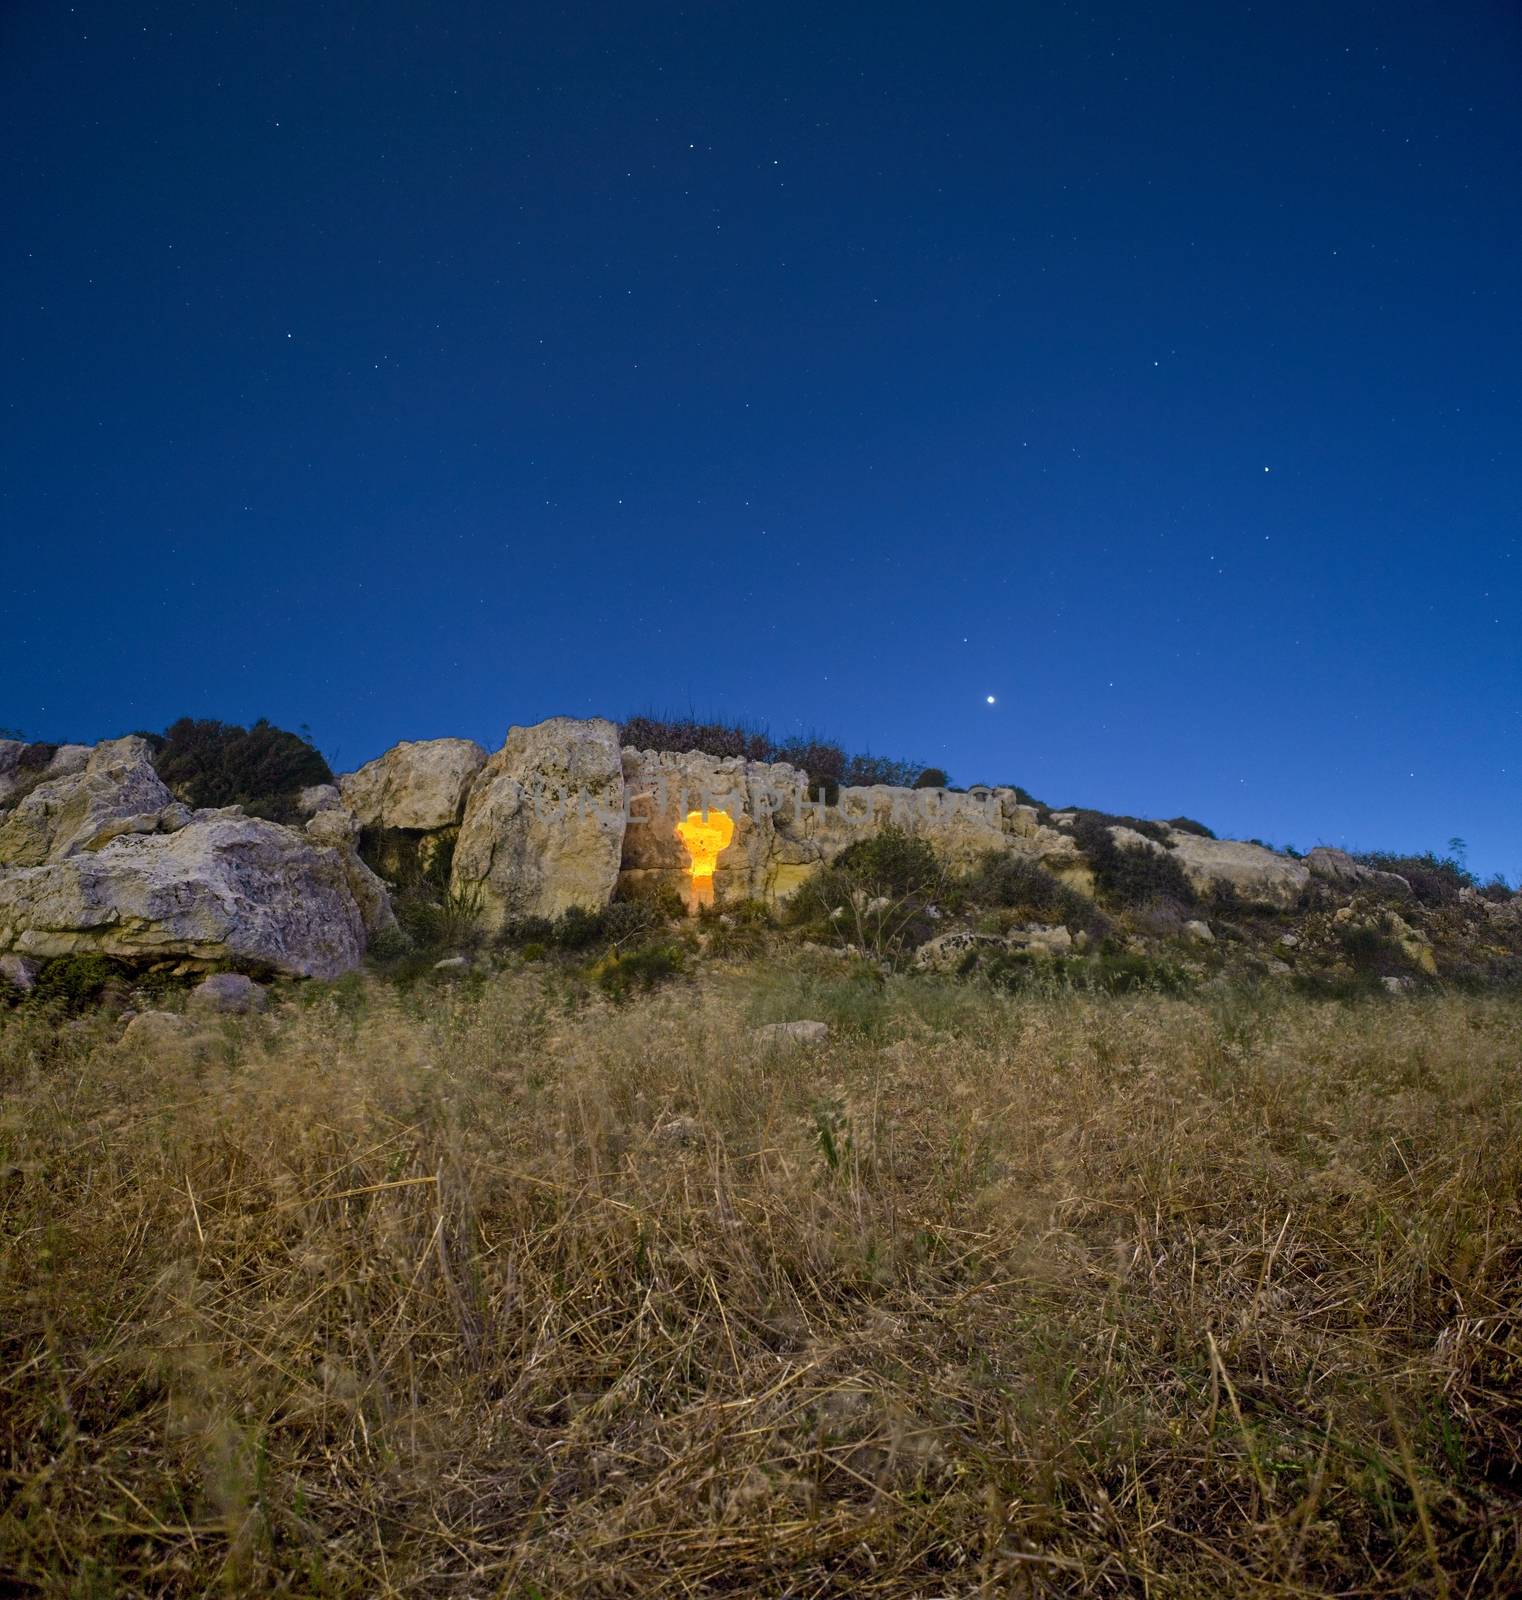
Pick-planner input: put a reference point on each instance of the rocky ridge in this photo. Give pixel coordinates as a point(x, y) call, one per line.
point(98, 855)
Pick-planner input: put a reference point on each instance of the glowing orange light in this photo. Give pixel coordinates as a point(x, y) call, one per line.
point(705, 838)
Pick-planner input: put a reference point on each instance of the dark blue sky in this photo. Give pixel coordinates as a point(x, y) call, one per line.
point(405, 370)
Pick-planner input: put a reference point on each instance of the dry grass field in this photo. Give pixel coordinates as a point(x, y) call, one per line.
point(486, 1291)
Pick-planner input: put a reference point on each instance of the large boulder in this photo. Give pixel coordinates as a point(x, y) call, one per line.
point(116, 791)
point(229, 993)
point(1253, 871)
point(335, 829)
point(418, 785)
point(1339, 868)
point(544, 823)
point(223, 888)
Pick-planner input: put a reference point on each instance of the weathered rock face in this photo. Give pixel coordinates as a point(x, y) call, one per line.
point(961, 827)
point(782, 836)
point(544, 822)
point(1255, 873)
point(663, 787)
point(418, 785)
point(115, 791)
point(224, 887)
point(319, 797)
point(335, 829)
point(1337, 866)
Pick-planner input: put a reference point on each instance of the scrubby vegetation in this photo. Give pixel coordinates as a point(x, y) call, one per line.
point(828, 765)
point(1130, 874)
point(262, 768)
point(70, 986)
point(467, 1291)
point(880, 895)
point(1008, 882)
point(1189, 825)
point(1435, 880)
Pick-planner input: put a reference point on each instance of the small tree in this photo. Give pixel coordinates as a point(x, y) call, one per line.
point(262, 768)
point(878, 890)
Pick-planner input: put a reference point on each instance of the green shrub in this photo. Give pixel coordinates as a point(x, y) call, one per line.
point(1105, 972)
point(1129, 875)
point(662, 897)
point(737, 929)
point(582, 927)
point(630, 919)
point(1372, 950)
point(825, 762)
point(620, 973)
point(932, 778)
point(262, 768)
point(72, 984)
point(890, 862)
point(1007, 880)
point(577, 928)
point(1435, 880)
point(877, 894)
point(1189, 825)
point(1138, 876)
point(452, 922)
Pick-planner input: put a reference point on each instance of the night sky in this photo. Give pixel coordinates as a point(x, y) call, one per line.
point(406, 370)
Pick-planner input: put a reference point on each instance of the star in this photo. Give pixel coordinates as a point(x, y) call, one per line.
point(990, 700)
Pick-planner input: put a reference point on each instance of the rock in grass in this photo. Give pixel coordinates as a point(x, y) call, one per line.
point(19, 971)
point(948, 951)
point(229, 993)
point(154, 1028)
point(791, 1034)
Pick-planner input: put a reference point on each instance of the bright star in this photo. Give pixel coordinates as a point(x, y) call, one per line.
point(990, 699)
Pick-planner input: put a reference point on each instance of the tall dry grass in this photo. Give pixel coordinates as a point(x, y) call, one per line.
point(470, 1294)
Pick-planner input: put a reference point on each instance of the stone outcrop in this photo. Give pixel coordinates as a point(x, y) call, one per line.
point(961, 826)
point(417, 785)
point(222, 888)
point(663, 787)
point(227, 993)
point(115, 791)
point(1338, 867)
point(97, 855)
point(948, 951)
point(543, 828)
point(337, 830)
point(1254, 872)
point(782, 836)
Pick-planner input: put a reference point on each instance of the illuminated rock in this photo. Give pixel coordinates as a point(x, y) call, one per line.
point(782, 837)
point(663, 786)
